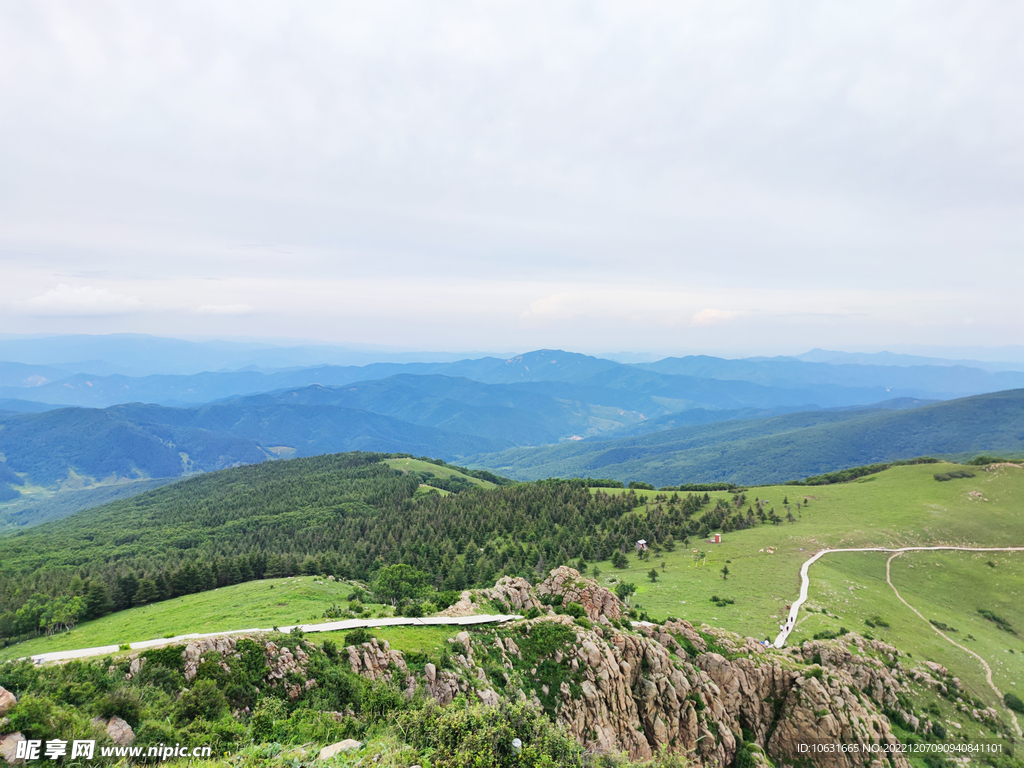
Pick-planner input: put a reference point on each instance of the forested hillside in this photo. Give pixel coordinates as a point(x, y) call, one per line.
point(782, 448)
point(345, 515)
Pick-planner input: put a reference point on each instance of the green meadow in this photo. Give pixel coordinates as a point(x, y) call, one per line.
point(410, 639)
point(421, 467)
point(254, 604)
point(903, 506)
point(950, 588)
point(437, 470)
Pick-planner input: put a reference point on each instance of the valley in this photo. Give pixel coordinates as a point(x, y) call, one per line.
point(431, 495)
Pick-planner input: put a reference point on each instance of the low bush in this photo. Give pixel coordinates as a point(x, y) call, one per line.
point(482, 737)
point(357, 636)
point(1013, 701)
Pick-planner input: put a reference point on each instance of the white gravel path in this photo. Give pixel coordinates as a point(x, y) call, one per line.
point(333, 626)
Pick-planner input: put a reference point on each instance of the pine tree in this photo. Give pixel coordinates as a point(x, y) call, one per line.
point(97, 600)
point(146, 593)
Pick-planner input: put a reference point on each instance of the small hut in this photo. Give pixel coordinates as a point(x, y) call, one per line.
point(641, 545)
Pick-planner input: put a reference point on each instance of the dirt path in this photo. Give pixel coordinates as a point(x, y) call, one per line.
point(805, 582)
point(333, 626)
point(984, 664)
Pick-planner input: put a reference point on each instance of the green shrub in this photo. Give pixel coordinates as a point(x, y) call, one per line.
point(307, 725)
point(358, 636)
point(159, 676)
point(39, 717)
point(412, 610)
point(546, 637)
point(446, 598)
point(575, 610)
point(169, 656)
point(336, 688)
point(125, 703)
point(481, 737)
point(955, 474)
point(1013, 701)
point(381, 698)
point(998, 620)
point(268, 720)
point(203, 701)
point(156, 732)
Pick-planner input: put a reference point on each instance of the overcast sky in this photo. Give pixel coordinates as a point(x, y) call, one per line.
point(680, 176)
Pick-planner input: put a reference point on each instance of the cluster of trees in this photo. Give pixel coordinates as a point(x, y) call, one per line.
point(347, 515)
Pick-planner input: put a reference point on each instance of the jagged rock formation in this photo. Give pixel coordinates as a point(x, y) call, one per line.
point(196, 650)
point(513, 593)
point(705, 692)
point(281, 661)
point(375, 659)
point(597, 601)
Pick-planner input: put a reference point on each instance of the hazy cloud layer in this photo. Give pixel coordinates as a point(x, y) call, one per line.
point(759, 177)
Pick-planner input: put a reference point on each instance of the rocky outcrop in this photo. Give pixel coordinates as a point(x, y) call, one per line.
point(120, 732)
point(375, 659)
point(643, 691)
point(442, 685)
point(597, 601)
point(466, 605)
point(514, 592)
point(704, 692)
point(338, 747)
point(9, 748)
point(284, 665)
point(196, 651)
point(710, 694)
point(7, 701)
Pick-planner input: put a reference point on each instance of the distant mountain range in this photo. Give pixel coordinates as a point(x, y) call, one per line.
point(687, 382)
point(547, 412)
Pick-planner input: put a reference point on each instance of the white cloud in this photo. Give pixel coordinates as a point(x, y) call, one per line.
point(224, 309)
point(710, 316)
point(558, 306)
point(598, 171)
point(79, 301)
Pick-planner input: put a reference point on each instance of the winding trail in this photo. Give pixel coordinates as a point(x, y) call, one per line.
point(332, 626)
point(988, 669)
point(805, 582)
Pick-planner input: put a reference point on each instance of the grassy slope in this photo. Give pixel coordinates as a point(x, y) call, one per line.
point(255, 604)
point(903, 506)
point(417, 465)
point(949, 587)
point(261, 604)
point(443, 473)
